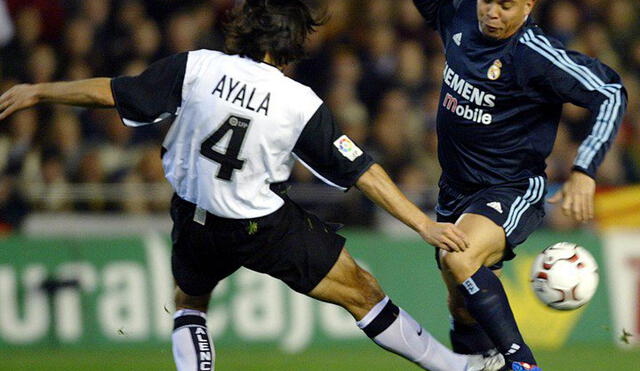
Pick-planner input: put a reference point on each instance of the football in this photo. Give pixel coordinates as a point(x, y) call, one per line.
point(564, 276)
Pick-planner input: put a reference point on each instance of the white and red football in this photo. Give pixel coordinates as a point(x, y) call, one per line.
point(564, 276)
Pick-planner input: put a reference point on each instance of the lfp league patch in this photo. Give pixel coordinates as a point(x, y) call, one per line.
point(347, 148)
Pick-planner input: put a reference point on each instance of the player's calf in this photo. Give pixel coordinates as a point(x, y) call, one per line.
point(364, 295)
point(467, 274)
point(487, 302)
point(386, 324)
point(467, 336)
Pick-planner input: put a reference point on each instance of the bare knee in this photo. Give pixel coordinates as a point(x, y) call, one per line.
point(186, 301)
point(460, 265)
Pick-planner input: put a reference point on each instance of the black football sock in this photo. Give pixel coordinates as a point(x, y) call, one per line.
point(469, 339)
point(487, 302)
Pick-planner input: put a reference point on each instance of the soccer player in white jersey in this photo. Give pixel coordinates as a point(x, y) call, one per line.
point(237, 126)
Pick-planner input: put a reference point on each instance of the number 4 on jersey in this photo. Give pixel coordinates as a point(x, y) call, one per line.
point(228, 160)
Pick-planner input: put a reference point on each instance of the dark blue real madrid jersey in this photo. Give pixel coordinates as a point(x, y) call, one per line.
point(501, 100)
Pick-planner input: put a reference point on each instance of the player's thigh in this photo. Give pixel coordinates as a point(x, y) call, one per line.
point(309, 256)
point(487, 244)
point(199, 260)
point(350, 286)
point(487, 240)
point(297, 248)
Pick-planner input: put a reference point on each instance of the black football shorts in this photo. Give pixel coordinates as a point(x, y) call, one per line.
point(518, 208)
point(289, 244)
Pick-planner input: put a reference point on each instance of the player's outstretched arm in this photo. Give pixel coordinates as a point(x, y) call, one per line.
point(339, 162)
point(87, 93)
point(378, 187)
point(585, 82)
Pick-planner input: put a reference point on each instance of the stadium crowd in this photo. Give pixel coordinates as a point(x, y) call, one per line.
point(375, 63)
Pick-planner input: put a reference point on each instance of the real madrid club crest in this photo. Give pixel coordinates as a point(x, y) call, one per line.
point(495, 70)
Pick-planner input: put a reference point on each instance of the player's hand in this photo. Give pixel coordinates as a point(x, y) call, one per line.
point(577, 197)
point(445, 236)
point(18, 98)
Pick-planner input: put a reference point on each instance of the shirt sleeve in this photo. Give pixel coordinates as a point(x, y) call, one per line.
point(561, 76)
point(437, 12)
point(328, 153)
point(152, 96)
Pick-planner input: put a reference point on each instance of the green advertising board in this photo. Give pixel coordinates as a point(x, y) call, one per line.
point(118, 291)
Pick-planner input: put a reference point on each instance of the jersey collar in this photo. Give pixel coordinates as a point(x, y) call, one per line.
point(269, 66)
point(264, 65)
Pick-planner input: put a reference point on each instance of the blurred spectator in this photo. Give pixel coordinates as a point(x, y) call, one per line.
point(42, 64)
point(146, 41)
point(63, 137)
point(354, 121)
point(13, 206)
point(92, 175)
point(410, 23)
point(141, 180)
point(380, 64)
point(622, 16)
point(411, 72)
point(563, 20)
point(51, 14)
point(54, 183)
point(595, 42)
point(96, 12)
point(182, 33)
point(21, 140)
point(78, 39)
point(6, 25)
point(28, 26)
point(392, 133)
point(118, 151)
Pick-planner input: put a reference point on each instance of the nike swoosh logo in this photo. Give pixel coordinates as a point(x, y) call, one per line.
point(420, 331)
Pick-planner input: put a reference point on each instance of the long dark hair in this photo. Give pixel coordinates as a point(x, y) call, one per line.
point(277, 27)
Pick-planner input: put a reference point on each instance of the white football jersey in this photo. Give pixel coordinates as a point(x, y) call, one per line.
point(238, 126)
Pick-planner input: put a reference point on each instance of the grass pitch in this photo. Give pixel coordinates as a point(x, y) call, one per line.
point(351, 358)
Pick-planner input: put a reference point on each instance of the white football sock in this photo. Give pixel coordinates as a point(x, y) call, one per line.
point(192, 348)
point(395, 330)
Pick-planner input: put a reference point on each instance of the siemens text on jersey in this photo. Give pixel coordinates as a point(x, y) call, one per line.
point(471, 94)
point(236, 92)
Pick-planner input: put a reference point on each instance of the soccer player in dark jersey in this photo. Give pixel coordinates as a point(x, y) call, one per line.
point(237, 126)
point(504, 85)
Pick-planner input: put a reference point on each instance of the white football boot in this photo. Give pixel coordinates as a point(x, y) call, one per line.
point(491, 362)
